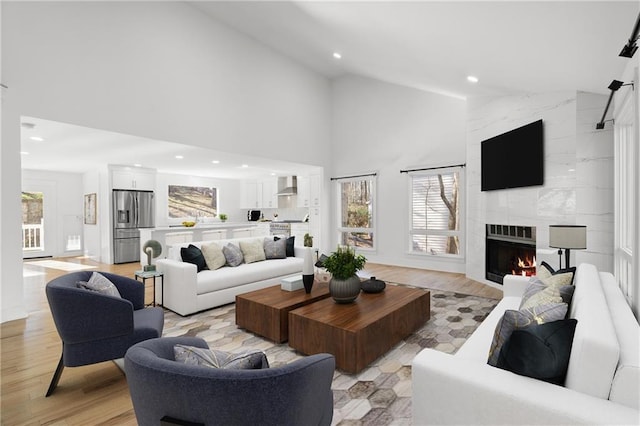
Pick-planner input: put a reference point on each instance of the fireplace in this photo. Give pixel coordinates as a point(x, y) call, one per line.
point(510, 250)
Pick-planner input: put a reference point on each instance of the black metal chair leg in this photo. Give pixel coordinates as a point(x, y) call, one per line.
point(56, 376)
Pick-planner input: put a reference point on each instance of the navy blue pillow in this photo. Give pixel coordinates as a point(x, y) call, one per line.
point(540, 351)
point(193, 254)
point(290, 250)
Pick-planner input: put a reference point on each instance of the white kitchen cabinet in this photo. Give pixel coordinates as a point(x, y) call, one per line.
point(269, 193)
point(298, 230)
point(303, 191)
point(251, 195)
point(315, 190)
point(140, 180)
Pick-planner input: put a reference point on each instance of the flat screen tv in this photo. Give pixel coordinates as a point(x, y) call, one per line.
point(513, 159)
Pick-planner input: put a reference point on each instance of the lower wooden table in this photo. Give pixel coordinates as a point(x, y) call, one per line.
point(265, 311)
point(358, 333)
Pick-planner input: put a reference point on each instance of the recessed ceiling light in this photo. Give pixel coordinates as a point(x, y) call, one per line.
point(337, 55)
point(572, 170)
point(272, 174)
point(36, 138)
point(137, 165)
point(472, 79)
point(216, 162)
point(179, 157)
point(24, 153)
point(244, 166)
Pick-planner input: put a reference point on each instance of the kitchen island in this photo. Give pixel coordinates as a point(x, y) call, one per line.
point(200, 232)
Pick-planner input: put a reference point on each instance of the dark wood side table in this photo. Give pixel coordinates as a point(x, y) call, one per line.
point(265, 311)
point(145, 275)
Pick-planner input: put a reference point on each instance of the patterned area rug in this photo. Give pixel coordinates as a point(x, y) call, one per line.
point(381, 393)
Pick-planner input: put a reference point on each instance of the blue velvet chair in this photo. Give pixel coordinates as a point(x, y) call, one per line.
point(165, 391)
point(95, 327)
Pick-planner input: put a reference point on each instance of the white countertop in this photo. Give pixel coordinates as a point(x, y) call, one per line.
point(220, 225)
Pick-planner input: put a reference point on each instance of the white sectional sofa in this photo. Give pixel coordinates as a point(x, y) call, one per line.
point(187, 291)
point(602, 383)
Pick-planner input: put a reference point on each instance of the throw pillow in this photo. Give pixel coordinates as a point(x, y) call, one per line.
point(535, 286)
point(275, 249)
point(191, 355)
point(252, 251)
point(512, 320)
point(232, 254)
point(545, 296)
point(557, 278)
point(193, 254)
point(213, 256)
point(100, 284)
point(540, 351)
point(290, 244)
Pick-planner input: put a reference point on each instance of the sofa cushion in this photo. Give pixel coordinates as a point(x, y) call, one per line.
point(222, 278)
point(539, 351)
point(232, 254)
point(546, 295)
point(535, 285)
point(512, 320)
point(252, 251)
point(192, 254)
point(290, 245)
point(275, 249)
point(213, 256)
point(192, 355)
point(595, 351)
point(625, 388)
point(101, 284)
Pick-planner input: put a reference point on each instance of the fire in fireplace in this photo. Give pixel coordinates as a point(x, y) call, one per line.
point(510, 250)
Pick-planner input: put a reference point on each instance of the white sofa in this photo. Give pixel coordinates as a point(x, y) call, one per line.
point(603, 378)
point(187, 291)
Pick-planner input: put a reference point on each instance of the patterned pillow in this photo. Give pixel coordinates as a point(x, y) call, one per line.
point(558, 278)
point(101, 284)
point(513, 320)
point(535, 286)
point(252, 251)
point(275, 249)
point(213, 256)
point(193, 254)
point(232, 254)
point(545, 296)
point(540, 351)
point(191, 355)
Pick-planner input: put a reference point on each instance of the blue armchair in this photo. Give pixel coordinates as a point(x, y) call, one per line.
point(95, 327)
point(164, 390)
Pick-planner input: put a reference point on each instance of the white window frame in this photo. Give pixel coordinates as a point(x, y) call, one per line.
point(626, 202)
point(374, 214)
point(460, 233)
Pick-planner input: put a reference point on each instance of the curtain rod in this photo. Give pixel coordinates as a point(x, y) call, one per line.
point(354, 176)
point(433, 168)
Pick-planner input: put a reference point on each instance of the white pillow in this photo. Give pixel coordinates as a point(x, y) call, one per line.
point(100, 284)
point(213, 255)
point(252, 250)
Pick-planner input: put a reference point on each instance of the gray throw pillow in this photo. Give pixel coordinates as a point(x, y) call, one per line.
point(512, 320)
point(536, 285)
point(191, 355)
point(101, 284)
point(232, 254)
point(275, 249)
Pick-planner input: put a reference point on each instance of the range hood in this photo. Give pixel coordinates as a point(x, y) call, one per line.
point(287, 185)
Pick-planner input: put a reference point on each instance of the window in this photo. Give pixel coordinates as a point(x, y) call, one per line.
point(436, 222)
point(357, 212)
point(192, 201)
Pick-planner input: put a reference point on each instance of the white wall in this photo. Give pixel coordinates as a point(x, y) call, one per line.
point(583, 196)
point(384, 128)
point(161, 70)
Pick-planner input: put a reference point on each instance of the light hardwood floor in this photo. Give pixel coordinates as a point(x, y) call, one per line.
point(98, 394)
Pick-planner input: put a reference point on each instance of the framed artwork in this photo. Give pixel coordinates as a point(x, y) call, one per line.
point(90, 209)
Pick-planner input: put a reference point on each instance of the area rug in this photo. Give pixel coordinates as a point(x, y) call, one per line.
point(381, 393)
point(63, 266)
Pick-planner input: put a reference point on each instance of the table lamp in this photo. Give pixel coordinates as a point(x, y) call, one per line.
point(567, 237)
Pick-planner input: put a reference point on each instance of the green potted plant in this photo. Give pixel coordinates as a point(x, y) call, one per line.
point(308, 240)
point(343, 264)
point(223, 217)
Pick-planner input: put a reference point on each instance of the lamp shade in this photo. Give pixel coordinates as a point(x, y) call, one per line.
point(568, 236)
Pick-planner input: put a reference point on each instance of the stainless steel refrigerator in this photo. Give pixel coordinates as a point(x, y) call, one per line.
point(132, 210)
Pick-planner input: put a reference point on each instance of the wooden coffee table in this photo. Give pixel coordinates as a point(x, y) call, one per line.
point(265, 311)
point(358, 333)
